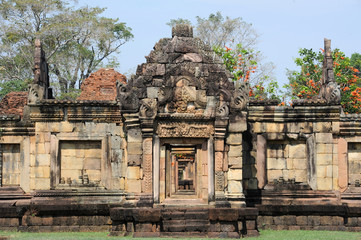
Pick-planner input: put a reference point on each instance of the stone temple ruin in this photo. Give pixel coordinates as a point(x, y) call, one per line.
point(177, 150)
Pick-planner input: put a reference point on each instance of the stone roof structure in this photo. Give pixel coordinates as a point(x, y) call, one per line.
point(101, 85)
point(183, 75)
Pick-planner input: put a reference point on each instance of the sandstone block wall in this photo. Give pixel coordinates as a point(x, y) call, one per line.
point(10, 165)
point(62, 153)
point(287, 160)
point(302, 149)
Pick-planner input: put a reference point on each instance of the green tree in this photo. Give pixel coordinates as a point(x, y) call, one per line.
point(76, 41)
point(174, 22)
point(355, 61)
point(224, 33)
point(305, 83)
point(218, 31)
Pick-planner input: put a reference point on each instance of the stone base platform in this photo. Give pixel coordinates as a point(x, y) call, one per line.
point(306, 210)
point(184, 222)
point(310, 217)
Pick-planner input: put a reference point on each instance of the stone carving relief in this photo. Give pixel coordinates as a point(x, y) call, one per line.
point(184, 97)
point(127, 98)
point(225, 95)
point(36, 92)
point(201, 99)
point(240, 97)
point(331, 92)
point(222, 110)
point(219, 181)
point(164, 95)
point(182, 129)
point(148, 108)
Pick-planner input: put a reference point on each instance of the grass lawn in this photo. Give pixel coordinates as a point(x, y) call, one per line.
point(265, 234)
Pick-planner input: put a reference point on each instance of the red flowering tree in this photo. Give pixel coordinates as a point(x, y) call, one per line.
point(242, 64)
point(306, 82)
point(239, 61)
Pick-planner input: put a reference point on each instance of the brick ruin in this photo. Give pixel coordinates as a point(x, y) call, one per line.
point(177, 150)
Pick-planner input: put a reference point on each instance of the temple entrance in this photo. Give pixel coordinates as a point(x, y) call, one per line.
point(183, 171)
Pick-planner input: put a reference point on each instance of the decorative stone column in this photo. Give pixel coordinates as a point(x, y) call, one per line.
point(220, 159)
point(147, 114)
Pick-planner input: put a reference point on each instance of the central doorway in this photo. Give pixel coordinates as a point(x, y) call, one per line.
point(183, 170)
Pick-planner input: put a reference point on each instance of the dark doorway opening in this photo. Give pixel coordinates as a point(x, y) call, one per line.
point(184, 169)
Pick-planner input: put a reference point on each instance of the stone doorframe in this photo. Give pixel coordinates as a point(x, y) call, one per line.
point(343, 162)
point(158, 142)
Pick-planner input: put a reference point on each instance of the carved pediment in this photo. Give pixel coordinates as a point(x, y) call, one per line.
point(184, 97)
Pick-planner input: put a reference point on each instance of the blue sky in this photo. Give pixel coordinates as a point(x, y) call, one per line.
point(284, 26)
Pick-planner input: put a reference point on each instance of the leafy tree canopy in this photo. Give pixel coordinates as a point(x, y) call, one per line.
point(76, 41)
point(305, 83)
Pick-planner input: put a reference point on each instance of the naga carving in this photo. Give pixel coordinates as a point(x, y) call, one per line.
point(36, 92)
point(164, 95)
point(127, 98)
point(222, 110)
point(148, 108)
point(239, 98)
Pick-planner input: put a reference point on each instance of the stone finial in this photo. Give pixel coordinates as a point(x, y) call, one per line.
point(329, 91)
point(39, 88)
point(327, 46)
point(327, 69)
point(182, 30)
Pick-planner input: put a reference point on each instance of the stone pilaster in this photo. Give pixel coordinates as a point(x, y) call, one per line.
point(219, 153)
point(234, 151)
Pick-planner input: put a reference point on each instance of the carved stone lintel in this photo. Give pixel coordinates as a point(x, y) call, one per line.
point(183, 129)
